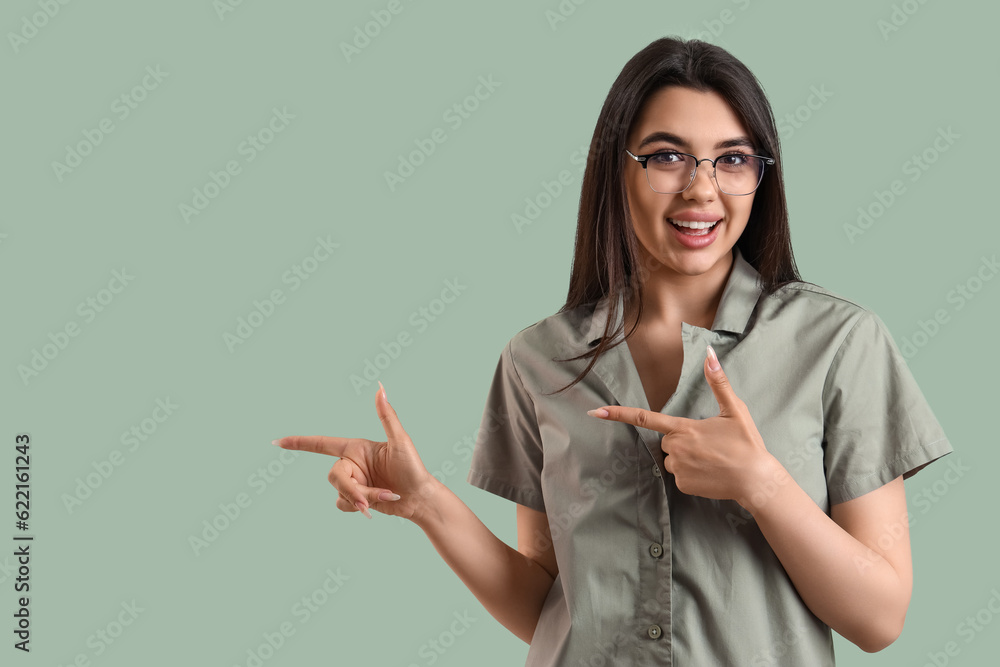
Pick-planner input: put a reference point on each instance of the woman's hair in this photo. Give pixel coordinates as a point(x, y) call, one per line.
point(606, 261)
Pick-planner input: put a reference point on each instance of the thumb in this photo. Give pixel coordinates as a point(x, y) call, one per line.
point(390, 422)
point(719, 383)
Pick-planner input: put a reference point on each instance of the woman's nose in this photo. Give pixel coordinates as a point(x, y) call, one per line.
point(703, 187)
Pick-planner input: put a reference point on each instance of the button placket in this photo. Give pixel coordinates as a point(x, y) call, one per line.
point(653, 586)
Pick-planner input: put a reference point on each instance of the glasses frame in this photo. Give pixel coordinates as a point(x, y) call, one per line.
point(643, 160)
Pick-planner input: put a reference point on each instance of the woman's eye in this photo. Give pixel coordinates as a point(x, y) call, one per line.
point(666, 158)
point(733, 159)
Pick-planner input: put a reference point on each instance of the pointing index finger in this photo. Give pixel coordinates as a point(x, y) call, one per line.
point(320, 444)
point(654, 421)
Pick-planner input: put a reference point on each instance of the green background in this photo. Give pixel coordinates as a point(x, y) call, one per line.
point(323, 175)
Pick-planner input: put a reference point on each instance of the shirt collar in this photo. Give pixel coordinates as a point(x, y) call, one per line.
point(740, 295)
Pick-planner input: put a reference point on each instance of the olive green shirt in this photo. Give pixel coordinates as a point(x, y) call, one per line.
point(652, 576)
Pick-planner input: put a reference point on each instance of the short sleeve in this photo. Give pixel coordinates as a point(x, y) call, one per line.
point(507, 458)
point(877, 424)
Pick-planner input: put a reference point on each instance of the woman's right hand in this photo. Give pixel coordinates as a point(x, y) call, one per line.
point(369, 473)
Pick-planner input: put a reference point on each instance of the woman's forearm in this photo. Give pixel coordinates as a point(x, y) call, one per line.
point(511, 586)
point(844, 583)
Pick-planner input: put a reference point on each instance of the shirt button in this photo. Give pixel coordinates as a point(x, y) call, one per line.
point(655, 550)
point(656, 470)
point(654, 632)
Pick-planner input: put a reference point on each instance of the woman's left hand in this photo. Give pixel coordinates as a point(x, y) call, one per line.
point(722, 457)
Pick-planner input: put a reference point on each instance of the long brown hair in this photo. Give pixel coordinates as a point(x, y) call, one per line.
point(606, 258)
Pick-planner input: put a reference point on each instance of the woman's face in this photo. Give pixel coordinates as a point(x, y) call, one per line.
point(704, 125)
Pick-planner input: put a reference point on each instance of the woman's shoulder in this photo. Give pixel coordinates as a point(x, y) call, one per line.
point(800, 312)
point(555, 334)
point(811, 292)
point(814, 303)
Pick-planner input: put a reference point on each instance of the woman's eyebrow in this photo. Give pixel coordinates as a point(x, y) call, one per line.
point(674, 139)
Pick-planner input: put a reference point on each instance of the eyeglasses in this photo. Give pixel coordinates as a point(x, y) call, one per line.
point(670, 172)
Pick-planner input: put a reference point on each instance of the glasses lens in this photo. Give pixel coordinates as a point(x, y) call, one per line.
point(738, 174)
point(669, 173)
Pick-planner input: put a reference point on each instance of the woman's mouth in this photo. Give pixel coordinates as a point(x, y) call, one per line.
point(693, 228)
point(696, 236)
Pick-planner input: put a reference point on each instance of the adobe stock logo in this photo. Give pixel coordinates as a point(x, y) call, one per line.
point(420, 320)
point(223, 7)
point(122, 107)
point(715, 27)
point(218, 181)
point(230, 511)
point(961, 295)
point(105, 636)
point(304, 609)
point(798, 117)
point(455, 116)
point(970, 627)
point(88, 309)
point(899, 17)
point(264, 310)
point(362, 38)
point(37, 21)
point(915, 167)
point(104, 468)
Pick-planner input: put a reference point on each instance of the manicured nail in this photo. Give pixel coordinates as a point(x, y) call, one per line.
point(384, 397)
point(275, 442)
point(385, 495)
point(363, 509)
point(599, 412)
point(713, 361)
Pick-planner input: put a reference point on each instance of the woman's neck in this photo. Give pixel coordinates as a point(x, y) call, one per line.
point(669, 301)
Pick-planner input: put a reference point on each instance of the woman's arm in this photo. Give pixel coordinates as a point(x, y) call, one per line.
point(511, 586)
point(390, 477)
point(852, 569)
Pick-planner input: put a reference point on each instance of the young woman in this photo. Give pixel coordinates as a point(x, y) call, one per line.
point(727, 486)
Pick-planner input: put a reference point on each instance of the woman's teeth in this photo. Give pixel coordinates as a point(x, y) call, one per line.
point(697, 228)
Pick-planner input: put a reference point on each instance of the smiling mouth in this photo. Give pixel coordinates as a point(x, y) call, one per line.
point(694, 228)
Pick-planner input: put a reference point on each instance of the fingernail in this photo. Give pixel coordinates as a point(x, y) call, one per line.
point(385, 495)
point(713, 361)
point(275, 442)
point(384, 397)
point(364, 510)
point(599, 412)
